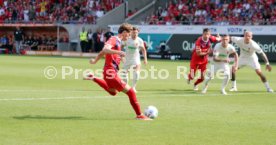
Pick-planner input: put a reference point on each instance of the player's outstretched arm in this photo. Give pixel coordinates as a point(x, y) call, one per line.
point(99, 56)
point(235, 39)
point(268, 66)
point(236, 64)
point(218, 38)
point(144, 51)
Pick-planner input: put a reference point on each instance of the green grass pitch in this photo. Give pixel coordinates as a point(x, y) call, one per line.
point(39, 111)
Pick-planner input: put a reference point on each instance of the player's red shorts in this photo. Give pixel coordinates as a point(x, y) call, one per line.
point(194, 66)
point(113, 80)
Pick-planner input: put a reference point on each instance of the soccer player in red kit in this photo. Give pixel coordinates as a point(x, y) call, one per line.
point(112, 83)
point(200, 54)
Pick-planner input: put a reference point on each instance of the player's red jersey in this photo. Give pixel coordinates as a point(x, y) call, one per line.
point(204, 47)
point(112, 61)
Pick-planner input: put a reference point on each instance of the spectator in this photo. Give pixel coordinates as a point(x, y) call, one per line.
point(14, 15)
point(83, 40)
point(90, 3)
point(54, 43)
point(35, 43)
point(43, 8)
point(26, 14)
point(97, 40)
point(64, 39)
point(130, 13)
point(18, 37)
point(2, 11)
point(102, 39)
point(90, 41)
point(108, 34)
point(32, 43)
point(32, 13)
point(4, 43)
point(50, 44)
point(26, 45)
point(100, 13)
point(42, 43)
point(10, 44)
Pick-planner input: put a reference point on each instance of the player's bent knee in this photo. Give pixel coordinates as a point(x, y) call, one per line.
point(258, 71)
point(112, 92)
point(126, 89)
point(202, 77)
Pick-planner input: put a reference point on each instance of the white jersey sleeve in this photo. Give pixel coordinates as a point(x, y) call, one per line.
point(256, 47)
point(231, 49)
point(216, 50)
point(236, 39)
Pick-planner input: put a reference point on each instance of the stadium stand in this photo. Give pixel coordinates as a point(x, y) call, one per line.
point(51, 11)
point(211, 12)
point(32, 15)
point(40, 19)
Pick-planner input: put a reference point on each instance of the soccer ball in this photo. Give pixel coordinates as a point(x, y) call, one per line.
point(151, 112)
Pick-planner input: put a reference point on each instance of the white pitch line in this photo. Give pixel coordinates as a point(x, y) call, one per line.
point(45, 91)
point(210, 94)
point(28, 91)
point(110, 97)
point(58, 98)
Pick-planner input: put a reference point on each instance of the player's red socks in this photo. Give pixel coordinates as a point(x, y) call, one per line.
point(103, 84)
point(198, 81)
point(133, 101)
point(190, 77)
point(191, 74)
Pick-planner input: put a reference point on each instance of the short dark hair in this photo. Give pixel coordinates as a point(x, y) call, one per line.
point(206, 30)
point(135, 28)
point(125, 27)
point(225, 35)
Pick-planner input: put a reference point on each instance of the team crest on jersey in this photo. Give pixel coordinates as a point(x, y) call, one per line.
point(247, 50)
point(203, 45)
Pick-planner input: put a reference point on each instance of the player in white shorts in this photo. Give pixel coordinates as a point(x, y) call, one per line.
point(132, 59)
point(221, 60)
point(248, 57)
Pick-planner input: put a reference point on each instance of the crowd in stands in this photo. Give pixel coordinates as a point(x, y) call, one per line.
point(215, 12)
point(50, 11)
point(20, 40)
point(186, 12)
point(30, 42)
point(40, 43)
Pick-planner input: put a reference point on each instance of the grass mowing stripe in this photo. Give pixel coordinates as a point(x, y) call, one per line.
point(112, 97)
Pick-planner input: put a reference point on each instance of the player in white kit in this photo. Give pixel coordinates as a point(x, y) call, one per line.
point(221, 63)
point(132, 59)
point(248, 57)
